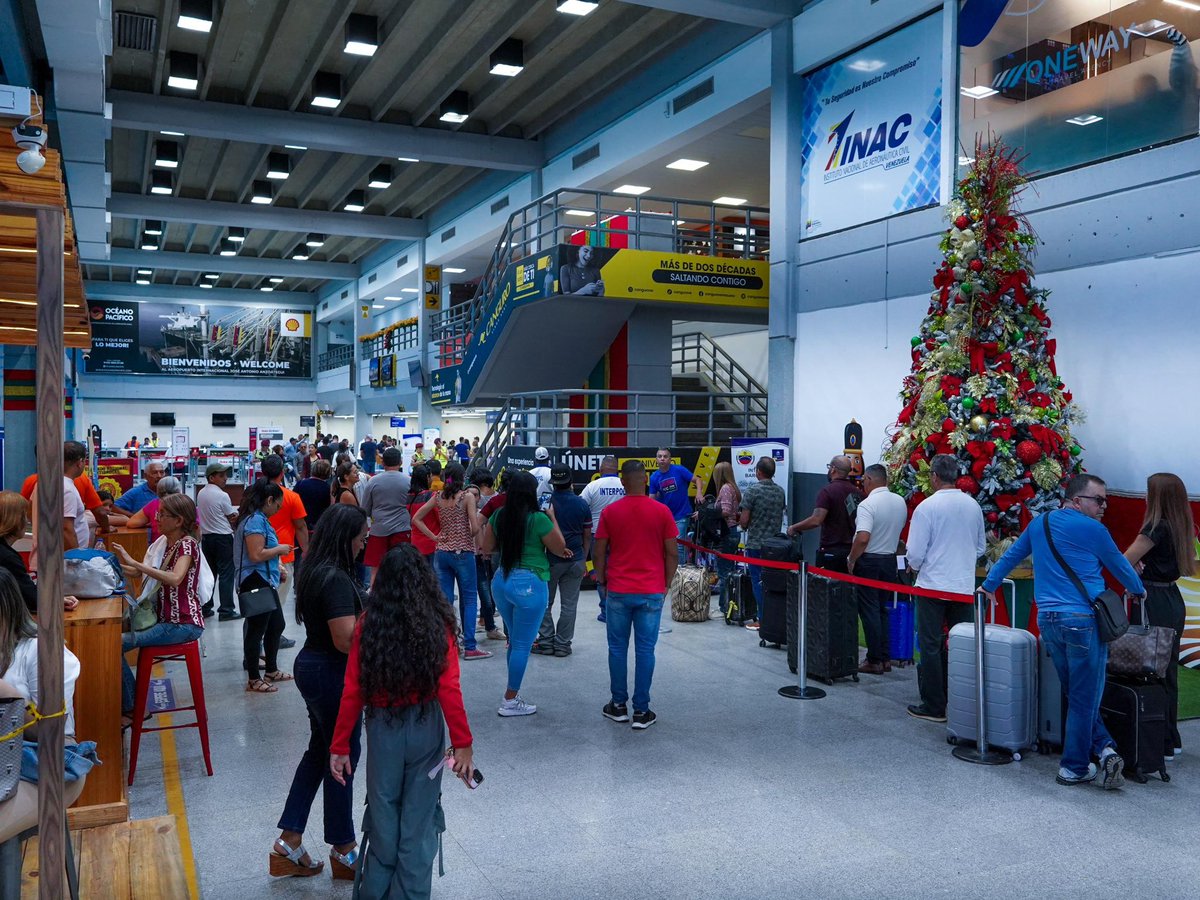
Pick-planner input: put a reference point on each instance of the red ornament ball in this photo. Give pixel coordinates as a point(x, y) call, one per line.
point(1029, 452)
point(992, 518)
point(962, 222)
point(967, 485)
point(976, 265)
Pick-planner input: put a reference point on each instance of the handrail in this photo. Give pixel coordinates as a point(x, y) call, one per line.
point(335, 358)
point(696, 352)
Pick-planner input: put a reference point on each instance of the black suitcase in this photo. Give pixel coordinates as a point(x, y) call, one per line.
point(772, 619)
point(780, 548)
point(740, 607)
point(832, 628)
point(1135, 714)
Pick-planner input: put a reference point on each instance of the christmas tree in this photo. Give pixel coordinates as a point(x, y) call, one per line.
point(983, 385)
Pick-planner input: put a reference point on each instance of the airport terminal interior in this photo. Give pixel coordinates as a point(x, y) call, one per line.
point(803, 378)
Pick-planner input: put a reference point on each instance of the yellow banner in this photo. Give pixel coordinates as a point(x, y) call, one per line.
point(678, 277)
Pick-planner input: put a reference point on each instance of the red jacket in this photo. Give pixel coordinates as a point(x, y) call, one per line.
point(449, 695)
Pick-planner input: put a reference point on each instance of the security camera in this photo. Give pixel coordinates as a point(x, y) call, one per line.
point(30, 139)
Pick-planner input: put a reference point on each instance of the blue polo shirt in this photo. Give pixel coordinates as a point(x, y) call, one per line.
point(671, 488)
point(135, 498)
point(573, 516)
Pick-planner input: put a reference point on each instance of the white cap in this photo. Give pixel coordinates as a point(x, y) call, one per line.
point(541, 453)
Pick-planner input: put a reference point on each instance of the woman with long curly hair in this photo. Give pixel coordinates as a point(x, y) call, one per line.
point(522, 534)
point(1163, 552)
point(403, 668)
point(328, 604)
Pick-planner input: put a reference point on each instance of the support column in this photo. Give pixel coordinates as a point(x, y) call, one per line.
point(425, 411)
point(650, 370)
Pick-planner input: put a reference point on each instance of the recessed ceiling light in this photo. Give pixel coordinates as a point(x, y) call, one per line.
point(266, 288)
point(456, 108)
point(161, 183)
point(866, 65)
point(236, 234)
point(183, 71)
point(979, 91)
point(143, 281)
point(300, 253)
point(1089, 119)
point(195, 15)
point(293, 147)
point(145, 271)
point(410, 290)
point(407, 159)
point(730, 201)
point(279, 166)
point(166, 154)
point(381, 177)
point(276, 280)
point(149, 244)
point(508, 59)
point(362, 35)
point(326, 90)
point(211, 276)
point(577, 7)
point(376, 306)
point(393, 298)
point(315, 240)
point(356, 201)
point(582, 213)
point(172, 133)
point(631, 189)
point(687, 165)
point(262, 193)
point(228, 248)
point(206, 285)
point(453, 270)
point(154, 227)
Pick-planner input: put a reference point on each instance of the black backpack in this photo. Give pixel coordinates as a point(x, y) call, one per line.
point(711, 527)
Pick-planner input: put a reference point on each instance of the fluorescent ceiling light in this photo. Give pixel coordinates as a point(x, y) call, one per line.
point(410, 291)
point(1183, 4)
point(315, 240)
point(266, 288)
point(979, 91)
point(293, 147)
point(228, 248)
point(195, 15)
point(687, 165)
point(1149, 28)
point(376, 306)
point(183, 71)
point(407, 159)
point(866, 65)
point(582, 213)
point(362, 35)
point(279, 166)
point(166, 154)
point(161, 183)
point(327, 90)
point(456, 108)
point(356, 201)
point(148, 244)
point(577, 7)
point(211, 276)
point(508, 59)
point(453, 270)
point(153, 227)
point(631, 189)
point(172, 133)
point(275, 280)
point(236, 234)
point(1089, 119)
point(206, 285)
point(300, 253)
point(145, 271)
point(381, 177)
point(730, 201)
point(143, 281)
point(262, 193)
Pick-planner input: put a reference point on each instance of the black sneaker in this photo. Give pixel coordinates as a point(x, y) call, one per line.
point(618, 712)
point(286, 643)
point(642, 720)
point(228, 617)
point(923, 712)
point(208, 611)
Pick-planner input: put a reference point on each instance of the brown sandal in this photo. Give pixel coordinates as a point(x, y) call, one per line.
point(278, 676)
point(291, 861)
point(259, 686)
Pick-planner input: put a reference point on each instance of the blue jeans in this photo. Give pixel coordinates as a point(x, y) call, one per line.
point(681, 530)
point(319, 679)
point(755, 581)
point(640, 613)
point(521, 598)
point(460, 566)
point(155, 636)
point(1080, 659)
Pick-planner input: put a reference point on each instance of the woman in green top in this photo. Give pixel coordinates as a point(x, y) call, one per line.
point(522, 535)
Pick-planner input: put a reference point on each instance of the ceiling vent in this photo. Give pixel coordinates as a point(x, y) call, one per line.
point(583, 157)
point(402, 261)
point(692, 96)
point(371, 279)
point(499, 205)
point(134, 31)
point(448, 233)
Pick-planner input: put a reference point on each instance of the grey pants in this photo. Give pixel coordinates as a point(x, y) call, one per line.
point(402, 801)
point(567, 576)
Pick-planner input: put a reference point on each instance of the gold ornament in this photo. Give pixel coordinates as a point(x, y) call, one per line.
point(979, 424)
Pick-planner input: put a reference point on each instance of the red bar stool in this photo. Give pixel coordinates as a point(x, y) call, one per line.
point(147, 657)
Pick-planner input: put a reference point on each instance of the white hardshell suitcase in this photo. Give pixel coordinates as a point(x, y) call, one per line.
point(1010, 669)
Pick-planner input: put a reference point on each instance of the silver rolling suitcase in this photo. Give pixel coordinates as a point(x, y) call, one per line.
point(1010, 667)
point(1052, 704)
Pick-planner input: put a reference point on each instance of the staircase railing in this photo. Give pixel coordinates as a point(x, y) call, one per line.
point(658, 223)
point(639, 418)
point(695, 353)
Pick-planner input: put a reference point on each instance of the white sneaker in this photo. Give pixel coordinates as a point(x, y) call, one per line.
point(516, 707)
point(1066, 776)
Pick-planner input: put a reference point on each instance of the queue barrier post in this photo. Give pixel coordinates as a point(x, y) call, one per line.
point(980, 754)
point(801, 690)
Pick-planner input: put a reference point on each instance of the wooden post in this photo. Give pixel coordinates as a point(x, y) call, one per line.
point(51, 813)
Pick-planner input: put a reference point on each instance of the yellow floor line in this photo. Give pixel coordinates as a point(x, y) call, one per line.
point(175, 802)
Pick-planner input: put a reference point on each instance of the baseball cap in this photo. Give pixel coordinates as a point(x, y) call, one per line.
point(560, 474)
point(541, 453)
point(215, 468)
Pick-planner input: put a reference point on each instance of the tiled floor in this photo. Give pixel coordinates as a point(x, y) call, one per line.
point(735, 792)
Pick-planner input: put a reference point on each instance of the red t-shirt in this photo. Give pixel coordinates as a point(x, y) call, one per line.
point(635, 528)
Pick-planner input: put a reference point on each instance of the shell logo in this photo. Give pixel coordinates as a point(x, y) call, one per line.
point(745, 457)
point(292, 324)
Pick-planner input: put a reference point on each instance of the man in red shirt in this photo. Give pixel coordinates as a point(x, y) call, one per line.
point(291, 527)
point(635, 556)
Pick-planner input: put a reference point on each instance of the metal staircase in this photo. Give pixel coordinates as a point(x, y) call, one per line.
point(700, 364)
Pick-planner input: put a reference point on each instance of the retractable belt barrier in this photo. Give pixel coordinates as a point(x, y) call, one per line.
point(981, 754)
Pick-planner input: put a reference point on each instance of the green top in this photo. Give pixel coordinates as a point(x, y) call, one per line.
point(533, 554)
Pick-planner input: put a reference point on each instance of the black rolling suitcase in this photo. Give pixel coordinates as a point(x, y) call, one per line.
point(773, 615)
point(832, 628)
point(740, 607)
point(1135, 714)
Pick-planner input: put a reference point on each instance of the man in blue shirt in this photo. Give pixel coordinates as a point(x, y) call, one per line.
point(1067, 622)
point(134, 499)
point(368, 450)
point(574, 518)
point(669, 485)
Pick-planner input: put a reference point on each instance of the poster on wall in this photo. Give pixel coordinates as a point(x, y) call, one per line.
point(748, 451)
point(872, 131)
point(130, 338)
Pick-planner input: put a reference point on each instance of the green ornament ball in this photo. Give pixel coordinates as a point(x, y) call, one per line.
point(916, 340)
point(966, 287)
point(968, 403)
point(1076, 449)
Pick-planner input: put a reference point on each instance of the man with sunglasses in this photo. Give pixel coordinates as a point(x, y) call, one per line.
point(1067, 622)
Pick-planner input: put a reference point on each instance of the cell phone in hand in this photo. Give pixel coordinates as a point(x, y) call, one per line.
point(475, 780)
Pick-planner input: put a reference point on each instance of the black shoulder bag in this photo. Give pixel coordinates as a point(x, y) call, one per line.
point(1109, 607)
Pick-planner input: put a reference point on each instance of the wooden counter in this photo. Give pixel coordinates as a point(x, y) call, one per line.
point(93, 633)
point(134, 540)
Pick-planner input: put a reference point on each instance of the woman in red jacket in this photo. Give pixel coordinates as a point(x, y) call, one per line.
point(403, 669)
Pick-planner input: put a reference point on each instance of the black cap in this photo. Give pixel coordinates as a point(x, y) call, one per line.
point(560, 474)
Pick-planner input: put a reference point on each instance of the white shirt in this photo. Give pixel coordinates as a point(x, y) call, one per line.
point(22, 674)
point(213, 506)
point(945, 539)
point(883, 515)
point(73, 508)
point(542, 474)
point(599, 493)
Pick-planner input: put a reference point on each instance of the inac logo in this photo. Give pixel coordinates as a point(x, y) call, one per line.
point(879, 145)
